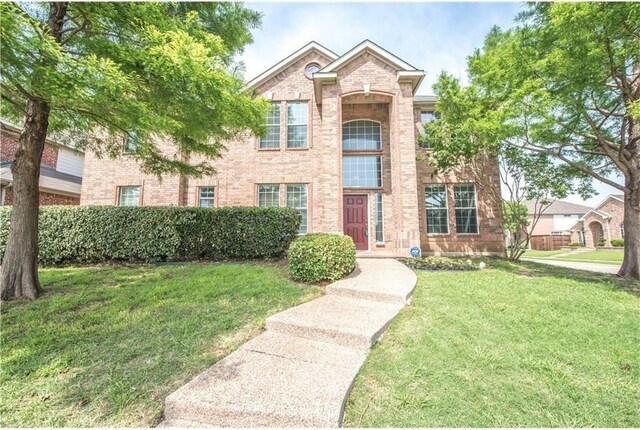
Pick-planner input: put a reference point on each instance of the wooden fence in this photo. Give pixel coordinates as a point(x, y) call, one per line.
point(550, 242)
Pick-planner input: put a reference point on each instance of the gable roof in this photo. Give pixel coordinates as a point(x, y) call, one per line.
point(286, 62)
point(376, 50)
point(559, 207)
point(619, 197)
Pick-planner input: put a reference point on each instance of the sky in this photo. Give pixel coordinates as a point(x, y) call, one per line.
point(430, 36)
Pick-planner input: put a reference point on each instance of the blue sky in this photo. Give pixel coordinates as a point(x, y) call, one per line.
point(430, 36)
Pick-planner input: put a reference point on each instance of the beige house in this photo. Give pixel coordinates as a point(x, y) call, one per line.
point(557, 219)
point(342, 148)
point(605, 221)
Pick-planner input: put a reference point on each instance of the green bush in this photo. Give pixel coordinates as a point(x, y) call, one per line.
point(321, 257)
point(93, 234)
point(575, 245)
point(602, 241)
point(618, 243)
point(439, 263)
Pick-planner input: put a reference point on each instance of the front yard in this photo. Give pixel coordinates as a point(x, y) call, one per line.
point(524, 345)
point(105, 345)
point(599, 256)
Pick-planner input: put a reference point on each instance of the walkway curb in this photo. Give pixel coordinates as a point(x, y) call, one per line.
point(299, 372)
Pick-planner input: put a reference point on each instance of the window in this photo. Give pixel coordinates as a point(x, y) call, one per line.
point(206, 197)
point(361, 135)
point(269, 195)
point(379, 229)
point(297, 124)
point(129, 196)
point(622, 230)
point(466, 213)
point(427, 116)
point(131, 143)
point(361, 171)
point(311, 69)
point(437, 209)
point(297, 199)
point(272, 138)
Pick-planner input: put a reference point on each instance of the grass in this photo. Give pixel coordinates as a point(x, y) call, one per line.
point(525, 345)
point(532, 253)
point(598, 256)
point(104, 346)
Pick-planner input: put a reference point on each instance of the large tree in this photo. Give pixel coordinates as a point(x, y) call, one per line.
point(564, 83)
point(99, 72)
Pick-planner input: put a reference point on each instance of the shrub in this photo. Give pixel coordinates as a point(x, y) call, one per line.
point(574, 245)
point(439, 263)
point(618, 243)
point(93, 234)
point(602, 241)
point(321, 257)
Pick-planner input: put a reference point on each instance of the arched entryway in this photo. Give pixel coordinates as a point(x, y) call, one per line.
point(596, 232)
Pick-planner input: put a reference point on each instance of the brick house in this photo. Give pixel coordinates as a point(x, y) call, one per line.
point(341, 148)
point(604, 221)
point(60, 173)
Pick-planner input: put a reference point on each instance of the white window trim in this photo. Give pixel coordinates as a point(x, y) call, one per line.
point(286, 192)
point(362, 150)
point(475, 198)
point(375, 224)
point(258, 194)
point(365, 188)
point(279, 125)
point(446, 199)
point(213, 199)
point(121, 187)
point(307, 124)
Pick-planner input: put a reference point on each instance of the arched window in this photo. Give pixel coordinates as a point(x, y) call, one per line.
point(361, 135)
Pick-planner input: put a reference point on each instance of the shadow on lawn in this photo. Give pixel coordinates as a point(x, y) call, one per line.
point(539, 270)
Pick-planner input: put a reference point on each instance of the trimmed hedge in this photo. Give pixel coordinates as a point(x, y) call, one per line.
point(617, 243)
point(321, 257)
point(93, 234)
point(439, 263)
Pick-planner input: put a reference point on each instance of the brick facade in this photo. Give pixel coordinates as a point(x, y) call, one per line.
point(9, 146)
point(367, 87)
point(45, 198)
point(605, 221)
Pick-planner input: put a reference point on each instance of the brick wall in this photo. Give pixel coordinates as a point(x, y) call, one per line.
point(45, 198)
point(9, 146)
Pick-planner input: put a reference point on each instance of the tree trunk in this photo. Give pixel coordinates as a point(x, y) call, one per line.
point(631, 263)
point(20, 264)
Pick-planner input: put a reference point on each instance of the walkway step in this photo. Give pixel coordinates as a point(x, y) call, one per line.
point(344, 321)
point(382, 280)
point(274, 380)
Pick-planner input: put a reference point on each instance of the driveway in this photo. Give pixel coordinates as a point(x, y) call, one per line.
point(592, 267)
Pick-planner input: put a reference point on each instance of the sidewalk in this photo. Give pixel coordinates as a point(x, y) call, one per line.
point(600, 268)
point(299, 372)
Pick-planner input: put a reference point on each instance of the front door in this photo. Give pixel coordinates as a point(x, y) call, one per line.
point(355, 220)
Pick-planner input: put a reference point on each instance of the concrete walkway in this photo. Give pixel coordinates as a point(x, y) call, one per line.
point(592, 267)
point(299, 372)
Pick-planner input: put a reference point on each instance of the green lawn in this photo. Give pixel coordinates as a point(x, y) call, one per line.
point(524, 345)
point(104, 346)
point(598, 256)
point(532, 253)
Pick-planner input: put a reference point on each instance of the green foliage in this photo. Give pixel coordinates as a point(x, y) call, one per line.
point(602, 241)
point(575, 245)
point(162, 71)
point(439, 263)
point(618, 243)
point(515, 216)
point(92, 234)
point(321, 257)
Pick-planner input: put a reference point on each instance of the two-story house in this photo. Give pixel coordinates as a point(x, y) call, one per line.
point(342, 148)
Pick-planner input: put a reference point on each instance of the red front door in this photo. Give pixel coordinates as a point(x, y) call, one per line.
point(355, 220)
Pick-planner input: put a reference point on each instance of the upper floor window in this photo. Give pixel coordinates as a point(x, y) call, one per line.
point(297, 116)
point(466, 210)
point(131, 142)
point(129, 196)
point(362, 171)
point(361, 135)
point(272, 138)
point(206, 197)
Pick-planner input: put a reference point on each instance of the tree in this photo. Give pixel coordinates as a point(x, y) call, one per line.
point(98, 72)
point(565, 84)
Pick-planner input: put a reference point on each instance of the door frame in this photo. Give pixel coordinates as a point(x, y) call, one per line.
point(367, 228)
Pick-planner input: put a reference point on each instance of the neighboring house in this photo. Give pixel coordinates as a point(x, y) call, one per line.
point(342, 149)
point(60, 173)
point(604, 221)
point(558, 218)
